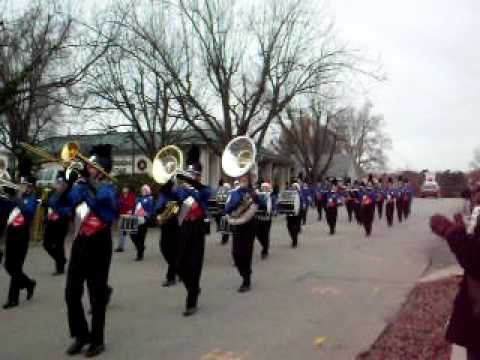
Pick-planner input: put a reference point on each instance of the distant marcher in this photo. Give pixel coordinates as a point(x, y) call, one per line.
point(127, 206)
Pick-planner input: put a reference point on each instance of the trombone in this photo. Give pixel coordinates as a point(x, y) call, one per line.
point(41, 153)
point(71, 154)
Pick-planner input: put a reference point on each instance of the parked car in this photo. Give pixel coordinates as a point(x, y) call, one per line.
point(430, 189)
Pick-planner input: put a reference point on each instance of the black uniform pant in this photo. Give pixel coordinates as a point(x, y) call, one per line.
point(349, 206)
point(389, 212)
point(406, 209)
point(304, 213)
point(16, 251)
point(380, 209)
point(293, 226)
point(138, 239)
point(242, 248)
point(263, 234)
point(54, 241)
point(399, 204)
point(191, 251)
point(332, 214)
point(368, 213)
point(356, 211)
point(89, 262)
point(169, 247)
point(319, 210)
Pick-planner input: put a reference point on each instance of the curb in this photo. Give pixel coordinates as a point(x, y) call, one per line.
point(454, 270)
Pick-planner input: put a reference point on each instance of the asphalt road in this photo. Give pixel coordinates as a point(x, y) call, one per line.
point(344, 288)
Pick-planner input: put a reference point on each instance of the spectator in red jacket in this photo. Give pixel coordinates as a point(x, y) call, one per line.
point(127, 206)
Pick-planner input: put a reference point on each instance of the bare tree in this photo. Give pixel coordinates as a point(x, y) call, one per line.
point(118, 84)
point(475, 164)
point(364, 138)
point(234, 70)
point(39, 65)
point(310, 137)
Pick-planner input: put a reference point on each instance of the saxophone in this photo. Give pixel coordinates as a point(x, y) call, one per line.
point(171, 209)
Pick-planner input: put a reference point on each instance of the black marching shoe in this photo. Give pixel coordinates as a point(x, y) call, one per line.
point(119, 249)
point(10, 304)
point(168, 283)
point(58, 272)
point(94, 350)
point(245, 286)
point(31, 289)
point(77, 346)
point(190, 311)
point(264, 255)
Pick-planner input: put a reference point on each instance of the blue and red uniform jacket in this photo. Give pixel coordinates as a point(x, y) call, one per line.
point(148, 206)
point(103, 205)
point(61, 206)
point(236, 198)
point(201, 197)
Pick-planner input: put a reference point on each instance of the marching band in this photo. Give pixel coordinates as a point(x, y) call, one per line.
point(87, 193)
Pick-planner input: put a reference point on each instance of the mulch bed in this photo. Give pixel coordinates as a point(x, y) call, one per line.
point(418, 330)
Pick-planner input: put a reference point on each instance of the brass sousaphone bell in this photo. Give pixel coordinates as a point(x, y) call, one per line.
point(239, 156)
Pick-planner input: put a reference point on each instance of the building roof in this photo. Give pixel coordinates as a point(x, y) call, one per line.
point(122, 143)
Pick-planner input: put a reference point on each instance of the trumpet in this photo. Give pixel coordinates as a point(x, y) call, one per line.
point(71, 155)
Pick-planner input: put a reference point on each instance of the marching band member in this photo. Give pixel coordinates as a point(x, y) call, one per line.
point(305, 193)
point(127, 207)
point(91, 253)
point(144, 210)
point(264, 224)
point(294, 221)
point(319, 194)
point(408, 193)
point(193, 197)
point(56, 228)
point(334, 199)
point(399, 199)
point(350, 204)
point(390, 195)
point(244, 234)
point(22, 211)
point(169, 231)
point(367, 209)
point(226, 188)
point(380, 200)
point(357, 195)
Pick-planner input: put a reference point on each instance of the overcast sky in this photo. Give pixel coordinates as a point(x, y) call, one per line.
point(430, 52)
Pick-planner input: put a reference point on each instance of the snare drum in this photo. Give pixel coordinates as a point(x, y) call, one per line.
point(289, 203)
point(129, 224)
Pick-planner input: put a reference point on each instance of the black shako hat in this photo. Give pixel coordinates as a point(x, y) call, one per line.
point(194, 167)
point(101, 155)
